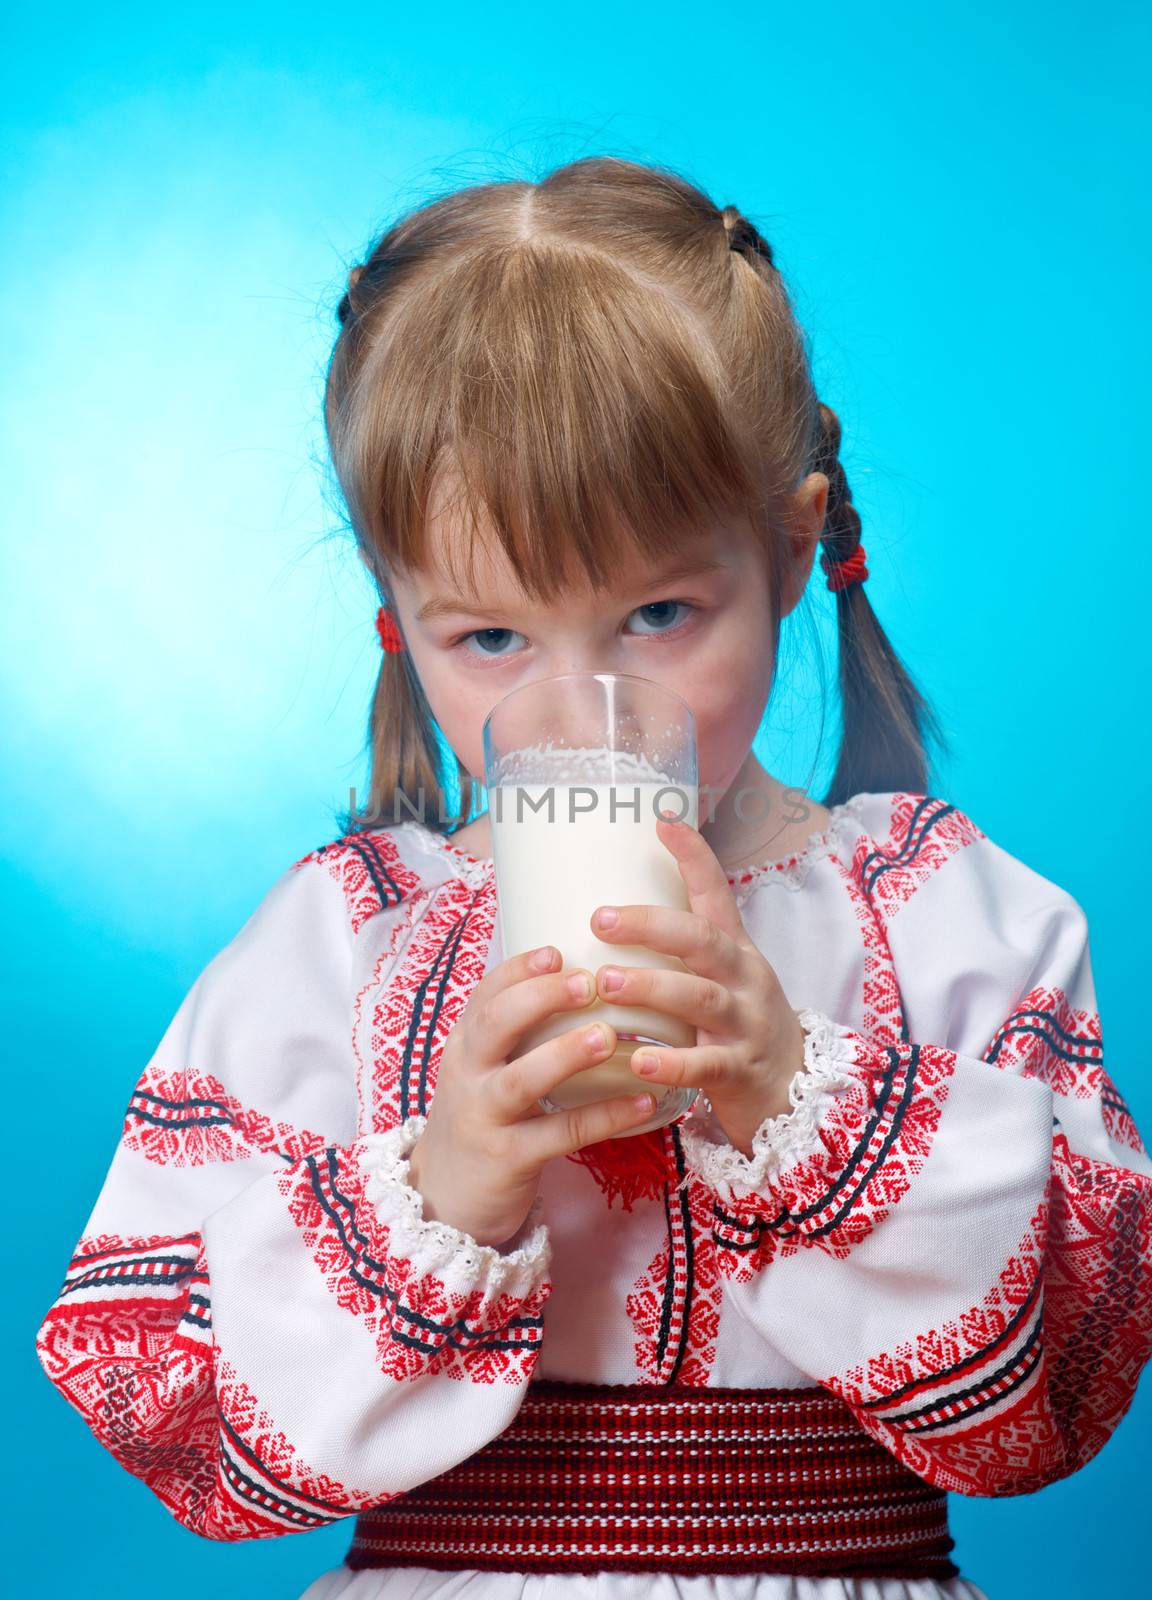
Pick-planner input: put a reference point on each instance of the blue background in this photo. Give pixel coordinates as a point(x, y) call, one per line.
point(188, 651)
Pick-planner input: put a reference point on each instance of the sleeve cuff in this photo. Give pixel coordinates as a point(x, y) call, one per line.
point(437, 1250)
point(830, 1051)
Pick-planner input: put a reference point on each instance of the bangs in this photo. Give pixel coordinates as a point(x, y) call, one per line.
point(573, 404)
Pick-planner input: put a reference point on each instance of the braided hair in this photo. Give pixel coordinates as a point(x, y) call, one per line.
point(887, 720)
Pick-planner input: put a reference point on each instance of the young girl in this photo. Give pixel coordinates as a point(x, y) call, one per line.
point(344, 1266)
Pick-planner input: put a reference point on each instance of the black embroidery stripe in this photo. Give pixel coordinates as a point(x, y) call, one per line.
point(879, 856)
point(434, 1018)
point(749, 1230)
point(886, 1145)
point(199, 1310)
point(178, 1123)
point(431, 1347)
point(1050, 1018)
point(264, 1500)
point(737, 1246)
point(249, 1454)
point(682, 1201)
point(459, 1334)
point(741, 1224)
point(690, 1253)
point(120, 1280)
point(137, 1258)
point(914, 841)
point(1018, 1317)
point(1091, 1052)
point(929, 1407)
point(180, 1105)
point(1031, 1364)
point(434, 974)
point(370, 854)
point(889, 1140)
point(669, 1283)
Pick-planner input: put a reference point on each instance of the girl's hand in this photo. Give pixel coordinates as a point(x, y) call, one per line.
point(749, 1042)
point(477, 1163)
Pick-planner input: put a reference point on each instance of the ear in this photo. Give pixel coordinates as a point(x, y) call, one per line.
point(805, 525)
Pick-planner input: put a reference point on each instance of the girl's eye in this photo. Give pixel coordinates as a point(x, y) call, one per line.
point(662, 606)
point(489, 636)
point(491, 642)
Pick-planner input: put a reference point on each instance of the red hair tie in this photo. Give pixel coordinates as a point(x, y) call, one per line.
point(842, 573)
point(389, 634)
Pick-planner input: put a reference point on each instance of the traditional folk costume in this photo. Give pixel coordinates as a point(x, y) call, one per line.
point(930, 1276)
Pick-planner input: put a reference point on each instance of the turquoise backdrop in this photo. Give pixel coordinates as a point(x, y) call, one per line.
point(957, 196)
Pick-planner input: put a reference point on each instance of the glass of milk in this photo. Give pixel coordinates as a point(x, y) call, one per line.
point(577, 769)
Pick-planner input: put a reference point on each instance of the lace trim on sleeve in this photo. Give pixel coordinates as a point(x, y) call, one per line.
point(436, 1248)
point(781, 1141)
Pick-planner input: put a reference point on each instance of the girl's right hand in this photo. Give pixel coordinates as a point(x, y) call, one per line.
point(477, 1162)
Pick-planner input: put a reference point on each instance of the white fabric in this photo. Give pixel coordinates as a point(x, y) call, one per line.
point(263, 1176)
point(416, 1583)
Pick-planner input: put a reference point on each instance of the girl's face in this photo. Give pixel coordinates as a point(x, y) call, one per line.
point(704, 633)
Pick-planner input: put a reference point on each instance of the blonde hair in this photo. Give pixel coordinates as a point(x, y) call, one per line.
point(603, 349)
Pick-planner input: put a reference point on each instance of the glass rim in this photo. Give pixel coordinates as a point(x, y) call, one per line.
point(559, 677)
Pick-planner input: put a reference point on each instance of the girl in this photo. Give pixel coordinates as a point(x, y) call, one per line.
point(343, 1266)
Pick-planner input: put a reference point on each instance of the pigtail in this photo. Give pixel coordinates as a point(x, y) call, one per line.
point(886, 719)
point(407, 772)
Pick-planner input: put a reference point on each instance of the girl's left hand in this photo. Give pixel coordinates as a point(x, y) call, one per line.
point(749, 1042)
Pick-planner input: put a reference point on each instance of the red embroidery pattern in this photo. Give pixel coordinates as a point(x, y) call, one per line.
point(413, 1016)
point(875, 1137)
point(128, 1342)
point(188, 1119)
point(1026, 1387)
point(1119, 1123)
point(368, 867)
point(675, 1306)
point(741, 1243)
point(924, 833)
point(1047, 1038)
point(420, 1326)
point(368, 996)
point(883, 1007)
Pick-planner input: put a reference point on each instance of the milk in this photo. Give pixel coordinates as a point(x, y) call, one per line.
point(597, 846)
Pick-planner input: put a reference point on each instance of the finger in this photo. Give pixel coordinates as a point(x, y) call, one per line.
point(694, 999)
point(529, 964)
point(500, 1019)
point(562, 1132)
point(709, 892)
point(695, 1067)
point(521, 1084)
point(704, 946)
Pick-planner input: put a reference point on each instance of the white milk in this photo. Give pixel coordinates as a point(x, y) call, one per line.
point(551, 877)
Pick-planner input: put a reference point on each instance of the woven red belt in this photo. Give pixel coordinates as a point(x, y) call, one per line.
point(592, 1478)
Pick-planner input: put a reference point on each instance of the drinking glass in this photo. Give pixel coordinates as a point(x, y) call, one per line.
point(577, 769)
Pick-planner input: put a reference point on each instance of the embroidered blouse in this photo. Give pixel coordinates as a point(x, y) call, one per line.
point(950, 1231)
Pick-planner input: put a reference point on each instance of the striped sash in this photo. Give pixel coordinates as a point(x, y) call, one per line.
point(637, 1478)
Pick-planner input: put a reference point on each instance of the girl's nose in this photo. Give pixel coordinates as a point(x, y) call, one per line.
point(570, 661)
